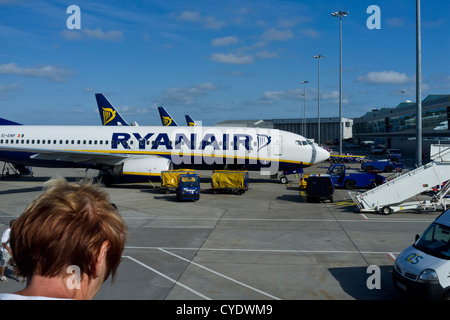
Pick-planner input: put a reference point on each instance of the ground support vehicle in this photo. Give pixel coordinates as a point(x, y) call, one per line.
point(393, 195)
point(349, 179)
point(335, 158)
point(188, 187)
point(14, 169)
point(303, 182)
point(319, 188)
point(170, 179)
point(386, 165)
point(229, 181)
point(423, 268)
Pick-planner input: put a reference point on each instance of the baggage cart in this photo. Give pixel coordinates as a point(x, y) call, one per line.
point(229, 181)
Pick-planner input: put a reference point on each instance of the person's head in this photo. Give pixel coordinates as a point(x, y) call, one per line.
point(68, 224)
point(11, 222)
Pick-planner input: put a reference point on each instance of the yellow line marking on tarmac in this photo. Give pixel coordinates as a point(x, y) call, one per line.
point(345, 203)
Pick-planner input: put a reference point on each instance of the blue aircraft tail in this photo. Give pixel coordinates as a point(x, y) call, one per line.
point(166, 119)
point(190, 121)
point(108, 115)
point(4, 122)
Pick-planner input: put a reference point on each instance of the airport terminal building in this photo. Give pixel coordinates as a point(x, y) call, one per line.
point(329, 127)
point(396, 127)
point(390, 127)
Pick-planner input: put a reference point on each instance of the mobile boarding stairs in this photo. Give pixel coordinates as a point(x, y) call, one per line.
point(395, 195)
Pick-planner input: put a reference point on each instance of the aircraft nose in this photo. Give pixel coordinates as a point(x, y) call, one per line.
point(322, 155)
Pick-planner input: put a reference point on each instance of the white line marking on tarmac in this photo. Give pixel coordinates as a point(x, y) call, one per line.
point(262, 250)
point(220, 274)
point(166, 277)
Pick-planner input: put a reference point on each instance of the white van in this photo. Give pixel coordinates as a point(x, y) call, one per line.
point(423, 269)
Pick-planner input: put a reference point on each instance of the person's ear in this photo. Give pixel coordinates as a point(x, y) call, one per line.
point(100, 265)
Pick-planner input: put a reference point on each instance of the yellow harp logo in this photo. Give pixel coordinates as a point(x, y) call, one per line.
point(108, 115)
point(167, 121)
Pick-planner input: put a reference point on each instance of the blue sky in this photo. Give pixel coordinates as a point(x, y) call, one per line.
point(216, 60)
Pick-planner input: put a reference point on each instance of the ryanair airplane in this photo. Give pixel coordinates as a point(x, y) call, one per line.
point(144, 151)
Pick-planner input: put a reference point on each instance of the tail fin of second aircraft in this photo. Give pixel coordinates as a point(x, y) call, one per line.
point(108, 115)
point(166, 118)
point(190, 122)
point(5, 122)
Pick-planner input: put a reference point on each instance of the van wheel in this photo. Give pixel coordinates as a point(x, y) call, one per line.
point(369, 169)
point(386, 210)
point(389, 169)
point(349, 184)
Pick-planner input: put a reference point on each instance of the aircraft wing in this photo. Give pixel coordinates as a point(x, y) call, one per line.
point(73, 155)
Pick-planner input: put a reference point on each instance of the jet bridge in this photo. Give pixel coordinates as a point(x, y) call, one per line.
point(392, 196)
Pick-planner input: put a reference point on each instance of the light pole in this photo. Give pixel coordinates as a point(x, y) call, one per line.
point(340, 14)
point(418, 88)
point(318, 57)
point(304, 106)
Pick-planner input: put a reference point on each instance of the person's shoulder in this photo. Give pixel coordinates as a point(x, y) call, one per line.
point(13, 296)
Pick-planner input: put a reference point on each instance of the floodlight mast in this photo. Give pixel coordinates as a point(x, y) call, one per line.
point(340, 14)
point(318, 57)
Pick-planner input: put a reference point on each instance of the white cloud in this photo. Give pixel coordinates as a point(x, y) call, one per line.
point(264, 54)
point(333, 96)
point(184, 95)
point(225, 41)
point(277, 35)
point(386, 77)
point(310, 33)
point(48, 72)
point(231, 58)
point(5, 89)
point(196, 17)
point(113, 35)
point(191, 16)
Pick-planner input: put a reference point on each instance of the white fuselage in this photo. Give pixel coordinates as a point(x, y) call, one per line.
point(185, 146)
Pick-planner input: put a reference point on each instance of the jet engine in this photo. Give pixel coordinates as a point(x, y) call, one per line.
point(146, 168)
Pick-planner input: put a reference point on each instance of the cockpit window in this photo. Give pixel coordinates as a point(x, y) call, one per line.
point(303, 142)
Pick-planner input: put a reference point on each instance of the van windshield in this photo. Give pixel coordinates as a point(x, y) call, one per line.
point(435, 241)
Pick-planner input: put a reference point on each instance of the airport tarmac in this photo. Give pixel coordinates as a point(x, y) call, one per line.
point(268, 243)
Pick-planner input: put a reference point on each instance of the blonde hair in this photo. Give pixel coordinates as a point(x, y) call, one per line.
point(66, 225)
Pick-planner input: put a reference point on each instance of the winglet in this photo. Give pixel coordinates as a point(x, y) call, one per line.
point(166, 119)
point(108, 115)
